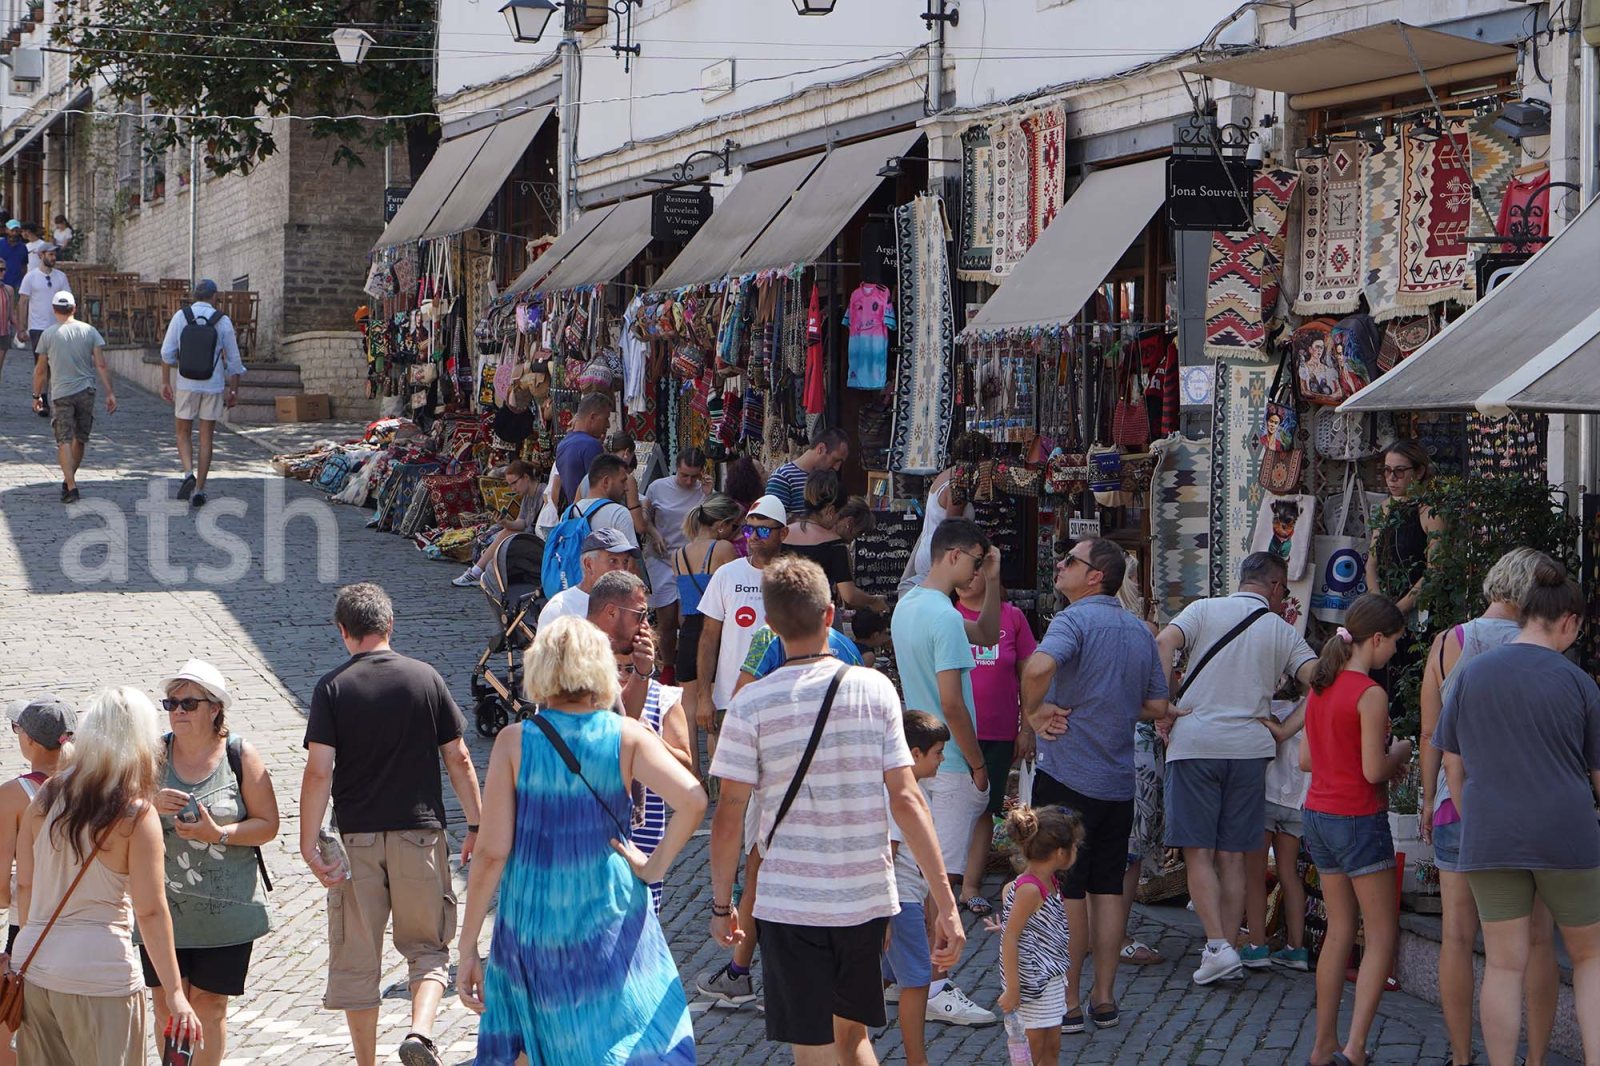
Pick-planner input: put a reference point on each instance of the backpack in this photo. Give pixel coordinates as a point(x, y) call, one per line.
point(563, 549)
point(235, 750)
point(198, 354)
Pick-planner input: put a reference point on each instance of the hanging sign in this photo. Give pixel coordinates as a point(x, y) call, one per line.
point(1204, 193)
point(393, 197)
point(677, 214)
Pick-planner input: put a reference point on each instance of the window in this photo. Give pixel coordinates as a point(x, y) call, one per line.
point(241, 283)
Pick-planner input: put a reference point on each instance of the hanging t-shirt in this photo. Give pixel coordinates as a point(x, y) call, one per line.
point(870, 318)
point(816, 391)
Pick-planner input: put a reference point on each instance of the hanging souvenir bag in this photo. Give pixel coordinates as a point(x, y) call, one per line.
point(1402, 337)
point(1340, 560)
point(1130, 419)
point(1282, 417)
point(1018, 478)
point(1105, 474)
point(1066, 473)
point(1280, 471)
point(1311, 349)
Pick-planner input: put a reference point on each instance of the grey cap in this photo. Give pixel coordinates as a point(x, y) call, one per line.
point(205, 289)
point(607, 539)
point(48, 721)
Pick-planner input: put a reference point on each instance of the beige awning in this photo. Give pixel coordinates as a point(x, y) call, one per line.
point(612, 245)
point(1368, 54)
point(456, 187)
point(571, 238)
point(1082, 245)
point(1533, 343)
point(737, 222)
point(806, 227)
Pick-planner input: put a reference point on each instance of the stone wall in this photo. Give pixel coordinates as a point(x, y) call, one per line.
point(331, 361)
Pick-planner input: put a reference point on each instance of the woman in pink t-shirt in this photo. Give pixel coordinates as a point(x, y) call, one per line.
point(1003, 736)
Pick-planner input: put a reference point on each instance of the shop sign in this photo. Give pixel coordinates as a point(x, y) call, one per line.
point(393, 197)
point(1082, 528)
point(1203, 193)
point(677, 214)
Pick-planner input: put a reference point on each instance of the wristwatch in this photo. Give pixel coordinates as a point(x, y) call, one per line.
point(222, 839)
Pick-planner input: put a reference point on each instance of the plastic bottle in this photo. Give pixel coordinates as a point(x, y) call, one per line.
point(1017, 1041)
point(331, 850)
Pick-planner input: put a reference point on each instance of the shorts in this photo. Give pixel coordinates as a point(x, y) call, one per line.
point(1281, 819)
point(405, 872)
point(11, 936)
point(33, 339)
point(62, 1027)
point(956, 804)
point(812, 975)
point(688, 666)
point(1447, 847)
point(72, 417)
point(663, 586)
point(1350, 844)
point(217, 970)
point(190, 406)
point(1103, 856)
point(907, 959)
point(1217, 804)
point(1045, 1012)
point(1573, 896)
point(998, 756)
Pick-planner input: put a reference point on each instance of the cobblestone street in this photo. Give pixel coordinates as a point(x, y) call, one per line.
point(273, 638)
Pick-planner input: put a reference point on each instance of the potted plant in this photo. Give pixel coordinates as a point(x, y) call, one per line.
point(15, 35)
point(36, 10)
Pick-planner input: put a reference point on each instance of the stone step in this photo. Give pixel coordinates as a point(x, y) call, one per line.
point(253, 412)
point(253, 390)
point(272, 374)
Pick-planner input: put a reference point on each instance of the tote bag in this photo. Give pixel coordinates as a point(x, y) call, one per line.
point(1341, 560)
point(1285, 526)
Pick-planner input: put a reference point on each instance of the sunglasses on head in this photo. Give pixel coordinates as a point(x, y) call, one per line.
point(188, 703)
point(760, 532)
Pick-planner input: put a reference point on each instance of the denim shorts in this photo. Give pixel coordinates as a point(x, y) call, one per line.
point(1447, 847)
point(1281, 819)
point(1220, 804)
point(1352, 845)
point(907, 960)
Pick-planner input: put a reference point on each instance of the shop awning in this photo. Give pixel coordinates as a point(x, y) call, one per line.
point(465, 174)
point(570, 239)
point(806, 227)
point(609, 248)
point(1531, 344)
point(737, 222)
point(1368, 54)
point(1077, 250)
point(77, 103)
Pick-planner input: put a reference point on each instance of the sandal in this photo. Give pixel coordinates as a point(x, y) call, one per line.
point(978, 906)
point(1139, 954)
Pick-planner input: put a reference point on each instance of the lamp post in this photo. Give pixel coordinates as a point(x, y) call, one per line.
point(528, 18)
point(814, 7)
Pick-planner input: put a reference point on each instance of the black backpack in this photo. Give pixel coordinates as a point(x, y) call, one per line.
point(198, 354)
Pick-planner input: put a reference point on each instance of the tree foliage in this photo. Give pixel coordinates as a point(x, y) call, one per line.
point(226, 59)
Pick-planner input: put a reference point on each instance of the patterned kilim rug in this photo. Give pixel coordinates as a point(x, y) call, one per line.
point(1330, 231)
point(1494, 164)
point(977, 205)
point(1240, 404)
point(1244, 276)
point(1380, 278)
point(924, 391)
point(1010, 193)
point(1274, 192)
point(1180, 523)
point(1046, 134)
point(1436, 207)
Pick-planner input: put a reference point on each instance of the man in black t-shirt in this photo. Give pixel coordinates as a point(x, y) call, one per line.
point(375, 735)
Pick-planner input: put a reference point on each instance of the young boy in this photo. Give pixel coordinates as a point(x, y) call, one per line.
point(906, 961)
point(870, 631)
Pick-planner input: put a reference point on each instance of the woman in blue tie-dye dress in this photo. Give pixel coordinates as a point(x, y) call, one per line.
point(578, 971)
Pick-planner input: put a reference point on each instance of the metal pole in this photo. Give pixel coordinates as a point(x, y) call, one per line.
point(567, 156)
point(936, 64)
point(1588, 160)
point(194, 206)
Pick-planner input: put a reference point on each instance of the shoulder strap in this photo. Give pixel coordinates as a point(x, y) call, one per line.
point(37, 944)
point(1036, 883)
point(574, 767)
point(188, 313)
point(236, 764)
point(1227, 638)
point(811, 750)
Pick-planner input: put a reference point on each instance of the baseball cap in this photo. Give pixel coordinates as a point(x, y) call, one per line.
point(13, 224)
point(49, 246)
point(606, 539)
point(48, 721)
point(206, 676)
point(770, 507)
point(205, 289)
point(63, 299)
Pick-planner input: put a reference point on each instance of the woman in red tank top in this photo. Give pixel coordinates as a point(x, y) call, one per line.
point(1351, 758)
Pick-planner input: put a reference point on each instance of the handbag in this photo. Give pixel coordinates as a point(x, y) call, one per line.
point(805, 759)
point(1402, 337)
point(1282, 417)
point(13, 983)
point(1019, 479)
point(1341, 559)
point(1280, 472)
point(1130, 418)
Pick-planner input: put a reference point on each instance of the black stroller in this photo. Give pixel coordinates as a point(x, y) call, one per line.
point(512, 581)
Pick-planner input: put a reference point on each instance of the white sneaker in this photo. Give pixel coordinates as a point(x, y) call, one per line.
point(465, 581)
point(952, 1007)
point(891, 993)
point(1218, 965)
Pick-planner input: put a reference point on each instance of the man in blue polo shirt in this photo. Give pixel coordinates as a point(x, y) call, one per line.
point(14, 257)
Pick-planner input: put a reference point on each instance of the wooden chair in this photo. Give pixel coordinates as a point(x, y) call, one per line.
point(119, 307)
point(243, 309)
point(148, 303)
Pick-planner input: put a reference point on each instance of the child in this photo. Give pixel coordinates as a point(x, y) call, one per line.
point(1033, 953)
point(870, 630)
point(907, 961)
point(1286, 794)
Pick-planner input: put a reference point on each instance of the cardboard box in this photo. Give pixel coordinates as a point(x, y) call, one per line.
point(305, 407)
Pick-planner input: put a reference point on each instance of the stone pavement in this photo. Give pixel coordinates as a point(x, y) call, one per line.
point(153, 604)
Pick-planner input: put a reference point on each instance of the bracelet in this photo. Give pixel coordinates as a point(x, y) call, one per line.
point(471, 828)
point(721, 910)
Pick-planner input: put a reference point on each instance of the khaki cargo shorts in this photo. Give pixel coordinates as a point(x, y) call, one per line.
point(404, 873)
point(72, 417)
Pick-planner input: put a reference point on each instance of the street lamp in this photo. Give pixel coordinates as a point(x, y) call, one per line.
point(352, 44)
point(814, 7)
point(528, 18)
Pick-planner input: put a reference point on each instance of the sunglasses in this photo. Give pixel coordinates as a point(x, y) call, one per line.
point(1397, 471)
point(187, 704)
point(760, 532)
point(641, 612)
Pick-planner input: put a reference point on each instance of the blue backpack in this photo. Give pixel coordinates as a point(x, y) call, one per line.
point(563, 552)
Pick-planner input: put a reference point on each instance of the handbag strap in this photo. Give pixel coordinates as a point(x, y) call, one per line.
point(811, 750)
point(37, 944)
point(574, 767)
point(1211, 652)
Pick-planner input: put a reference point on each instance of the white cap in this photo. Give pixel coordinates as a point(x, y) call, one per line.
point(770, 507)
point(63, 299)
point(206, 676)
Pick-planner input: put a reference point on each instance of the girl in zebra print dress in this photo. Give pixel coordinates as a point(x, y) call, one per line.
point(1033, 953)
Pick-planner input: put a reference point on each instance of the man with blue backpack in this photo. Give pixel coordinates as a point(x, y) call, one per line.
point(602, 510)
point(201, 343)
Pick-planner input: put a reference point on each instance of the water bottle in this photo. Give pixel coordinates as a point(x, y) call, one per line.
point(1017, 1041)
point(330, 850)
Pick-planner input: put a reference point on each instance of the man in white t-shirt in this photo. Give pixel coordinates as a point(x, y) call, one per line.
point(734, 610)
point(827, 883)
point(604, 551)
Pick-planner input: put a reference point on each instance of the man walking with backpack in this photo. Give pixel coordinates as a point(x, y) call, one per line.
point(201, 343)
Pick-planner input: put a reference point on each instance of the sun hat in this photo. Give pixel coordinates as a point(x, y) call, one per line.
point(206, 676)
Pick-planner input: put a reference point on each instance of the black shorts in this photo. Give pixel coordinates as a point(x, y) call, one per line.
point(997, 758)
point(11, 936)
point(799, 962)
point(1103, 855)
point(220, 971)
point(687, 668)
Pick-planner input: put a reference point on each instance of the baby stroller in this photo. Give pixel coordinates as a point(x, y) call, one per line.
point(511, 580)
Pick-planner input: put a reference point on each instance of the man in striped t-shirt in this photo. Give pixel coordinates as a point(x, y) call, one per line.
point(827, 876)
point(828, 451)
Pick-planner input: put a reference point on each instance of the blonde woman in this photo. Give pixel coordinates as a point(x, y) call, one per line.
point(85, 990)
point(556, 812)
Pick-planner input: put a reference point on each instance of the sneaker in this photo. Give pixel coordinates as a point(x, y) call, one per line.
point(418, 1050)
point(1253, 957)
point(1292, 959)
point(1216, 965)
point(70, 496)
point(891, 993)
point(952, 1007)
point(465, 581)
point(197, 500)
point(723, 986)
point(186, 487)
